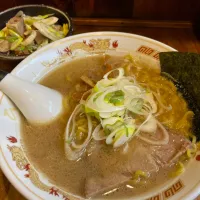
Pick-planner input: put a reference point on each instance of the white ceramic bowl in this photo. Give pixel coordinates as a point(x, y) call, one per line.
point(20, 172)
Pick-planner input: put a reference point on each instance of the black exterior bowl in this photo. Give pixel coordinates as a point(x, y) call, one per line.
point(32, 10)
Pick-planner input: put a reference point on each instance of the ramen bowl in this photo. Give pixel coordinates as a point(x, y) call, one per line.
point(13, 160)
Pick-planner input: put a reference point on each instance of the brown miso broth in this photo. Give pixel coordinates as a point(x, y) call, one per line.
point(44, 144)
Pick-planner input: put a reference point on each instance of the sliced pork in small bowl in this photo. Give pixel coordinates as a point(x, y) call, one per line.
point(30, 27)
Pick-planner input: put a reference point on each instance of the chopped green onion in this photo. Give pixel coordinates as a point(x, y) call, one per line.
point(21, 48)
point(98, 95)
point(95, 89)
point(11, 38)
point(179, 170)
point(16, 43)
point(2, 34)
point(13, 33)
point(28, 27)
point(111, 101)
point(126, 130)
point(140, 173)
point(65, 29)
point(116, 98)
point(91, 112)
point(44, 16)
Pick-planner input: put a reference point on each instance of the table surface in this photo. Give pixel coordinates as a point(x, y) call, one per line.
point(180, 36)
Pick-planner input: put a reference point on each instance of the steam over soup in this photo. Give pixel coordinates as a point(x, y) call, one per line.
point(124, 129)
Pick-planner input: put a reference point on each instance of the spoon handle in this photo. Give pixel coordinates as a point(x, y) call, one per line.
point(2, 74)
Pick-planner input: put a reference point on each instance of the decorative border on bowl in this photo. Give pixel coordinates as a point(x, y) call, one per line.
point(171, 191)
point(92, 46)
point(23, 164)
point(148, 51)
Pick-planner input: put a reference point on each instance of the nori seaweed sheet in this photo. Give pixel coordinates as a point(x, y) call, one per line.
point(185, 70)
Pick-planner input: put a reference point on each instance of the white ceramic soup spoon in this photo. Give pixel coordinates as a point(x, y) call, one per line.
point(38, 103)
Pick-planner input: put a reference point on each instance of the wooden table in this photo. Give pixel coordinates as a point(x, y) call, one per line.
point(179, 35)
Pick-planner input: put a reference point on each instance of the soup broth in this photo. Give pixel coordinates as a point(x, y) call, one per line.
point(44, 143)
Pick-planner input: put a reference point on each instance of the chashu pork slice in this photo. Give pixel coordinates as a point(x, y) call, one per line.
point(17, 24)
point(114, 168)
